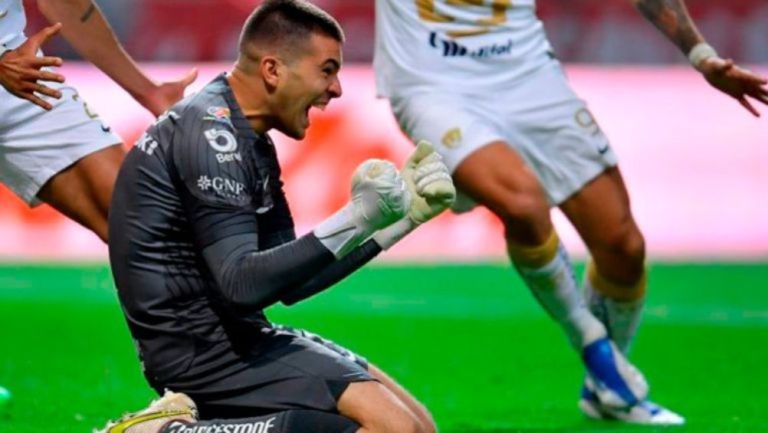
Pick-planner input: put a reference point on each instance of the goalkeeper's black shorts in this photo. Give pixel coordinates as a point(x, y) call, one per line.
point(293, 369)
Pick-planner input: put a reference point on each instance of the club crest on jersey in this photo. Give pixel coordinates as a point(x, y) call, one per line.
point(219, 114)
point(452, 138)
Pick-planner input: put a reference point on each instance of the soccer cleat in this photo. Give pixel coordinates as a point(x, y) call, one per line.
point(644, 412)
point(170, 407)
point(615, 381)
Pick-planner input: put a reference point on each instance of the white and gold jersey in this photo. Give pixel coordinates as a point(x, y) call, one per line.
point(464, 44)
point(12, 23)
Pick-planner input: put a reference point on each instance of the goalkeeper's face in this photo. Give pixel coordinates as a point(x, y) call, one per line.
point(311, 80)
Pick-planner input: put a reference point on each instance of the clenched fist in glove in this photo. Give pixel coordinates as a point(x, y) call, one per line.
point(431, 189)
point(379, 198)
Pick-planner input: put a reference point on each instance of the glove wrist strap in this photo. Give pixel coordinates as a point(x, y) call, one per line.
point(392, 234)
point(341, 232)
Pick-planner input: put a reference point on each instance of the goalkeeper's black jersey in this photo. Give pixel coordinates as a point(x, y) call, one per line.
point(201, 240)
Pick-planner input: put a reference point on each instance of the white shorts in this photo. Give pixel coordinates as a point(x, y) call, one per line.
point(35, 144)
point(540, 117)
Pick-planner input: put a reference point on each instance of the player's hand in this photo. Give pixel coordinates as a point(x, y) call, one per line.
point(164, 95)
point(379, 195)
point(735, 81)
point(379, 199)
point(21, 70)
point(429, 183)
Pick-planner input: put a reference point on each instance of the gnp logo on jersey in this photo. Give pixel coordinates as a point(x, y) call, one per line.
point(226, 187)
point(267, 426)
point(451, 48)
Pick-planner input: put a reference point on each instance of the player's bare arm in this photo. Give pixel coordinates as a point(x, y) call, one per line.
point(86, 29)
point(671, 18)
point(21, 70)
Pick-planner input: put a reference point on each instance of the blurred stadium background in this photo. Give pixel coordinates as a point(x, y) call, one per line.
point(442, 311)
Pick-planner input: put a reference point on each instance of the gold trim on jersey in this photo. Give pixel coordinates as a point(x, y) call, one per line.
point(498, 8)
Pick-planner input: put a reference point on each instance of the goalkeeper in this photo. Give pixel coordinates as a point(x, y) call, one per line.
point(202, 239)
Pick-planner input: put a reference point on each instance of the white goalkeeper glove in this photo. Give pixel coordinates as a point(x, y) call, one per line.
point(431, 188)
point(379, 198)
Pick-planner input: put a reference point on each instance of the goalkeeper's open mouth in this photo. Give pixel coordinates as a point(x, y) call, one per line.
point(320, 104)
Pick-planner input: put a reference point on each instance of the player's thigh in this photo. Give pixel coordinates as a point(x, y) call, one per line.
point(378, 410)
point(486, 167)
point(397, 410)
point(418, 409)
point(555, 133)
point(497, 177)
point(286, 369)
point(90, 179)
point(38, 146)
point(602, 215)
point(83, 190)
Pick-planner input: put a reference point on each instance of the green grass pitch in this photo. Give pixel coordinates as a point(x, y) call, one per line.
point(467, 340)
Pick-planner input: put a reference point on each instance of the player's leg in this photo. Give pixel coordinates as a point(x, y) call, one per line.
point(498, 178)
point(66, 156)
point(293, 369)
point(491, 176)
point(615, 279)
point(177, 413)
point(83, 190)
point(378, 406)
point(488, 170)
point(379, 410)
point(418, 409)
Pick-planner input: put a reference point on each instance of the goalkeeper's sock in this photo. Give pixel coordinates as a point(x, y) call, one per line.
point(619, 307)
point(548, 273)
point(291, 421)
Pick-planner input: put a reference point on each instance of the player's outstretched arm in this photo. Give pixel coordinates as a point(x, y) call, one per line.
point(672, 19)
point(85, 28)
point(21, 70)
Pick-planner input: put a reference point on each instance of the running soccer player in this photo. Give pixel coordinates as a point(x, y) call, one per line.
point(480, 80)
point(202, 239)
point(53, 149)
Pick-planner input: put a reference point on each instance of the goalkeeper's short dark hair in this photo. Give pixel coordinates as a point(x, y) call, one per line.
point(287, 23)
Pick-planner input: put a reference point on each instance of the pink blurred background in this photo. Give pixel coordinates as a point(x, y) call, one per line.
point(695, 162)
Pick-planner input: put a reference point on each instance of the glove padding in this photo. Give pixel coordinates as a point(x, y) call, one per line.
point(429, 183)
point(431, 190)
point(379, 194)
point(379, 198)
